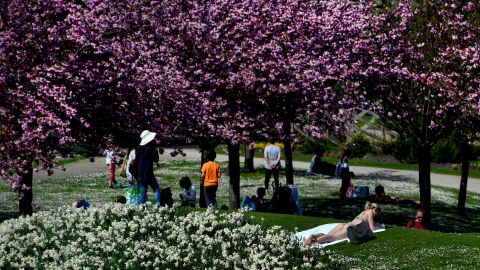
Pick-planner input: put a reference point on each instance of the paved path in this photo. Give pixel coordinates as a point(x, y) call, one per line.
point(450, 181)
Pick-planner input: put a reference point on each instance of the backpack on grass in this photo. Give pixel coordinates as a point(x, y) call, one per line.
point(282, 200)
point(166, 197)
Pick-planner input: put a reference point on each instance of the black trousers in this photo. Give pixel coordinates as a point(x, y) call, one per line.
point(268, 174)
point(345, 175)
point(211, 196)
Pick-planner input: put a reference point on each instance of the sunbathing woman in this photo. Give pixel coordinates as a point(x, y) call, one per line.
point(340, 231)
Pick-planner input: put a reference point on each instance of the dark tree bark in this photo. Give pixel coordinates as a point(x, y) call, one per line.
point(287, 148)
point(25, 196)
point(462, 193)
point(249, 157)
point(424, 182)
point(234, 170)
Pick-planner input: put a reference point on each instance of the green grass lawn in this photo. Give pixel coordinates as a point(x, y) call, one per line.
point(397, 248)
point(63, 161)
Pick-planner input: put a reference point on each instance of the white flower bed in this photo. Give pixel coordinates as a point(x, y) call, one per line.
point(130, 237)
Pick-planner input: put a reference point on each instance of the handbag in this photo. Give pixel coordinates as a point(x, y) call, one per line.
point(360, 233)
point(134, 194)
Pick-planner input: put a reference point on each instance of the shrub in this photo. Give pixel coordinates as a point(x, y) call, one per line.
point(405, 150)
point(447, 149)
point(359, 145)
point(313, 146)
point(388, 146)
point(150, 237)
point(259, 146)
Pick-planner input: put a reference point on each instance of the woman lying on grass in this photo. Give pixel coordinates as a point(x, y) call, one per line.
point(340, 231)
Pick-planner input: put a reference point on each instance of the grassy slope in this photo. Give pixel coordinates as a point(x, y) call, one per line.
point(396, 248)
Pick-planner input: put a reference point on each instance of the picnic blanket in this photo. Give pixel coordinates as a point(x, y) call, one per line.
point(325, 228)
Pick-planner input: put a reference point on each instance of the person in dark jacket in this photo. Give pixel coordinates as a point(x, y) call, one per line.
point(145, 158)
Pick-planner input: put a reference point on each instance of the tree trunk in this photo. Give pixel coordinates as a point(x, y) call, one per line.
point(203, 156)
point(287, 148)
point(234, 169)
point(424, 159)
point(462, 194)
point(249, 157)
point(25, 196)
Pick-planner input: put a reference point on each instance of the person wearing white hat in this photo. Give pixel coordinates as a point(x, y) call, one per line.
point(145, 158)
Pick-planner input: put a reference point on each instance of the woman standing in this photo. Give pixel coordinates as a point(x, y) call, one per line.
point(145, 158)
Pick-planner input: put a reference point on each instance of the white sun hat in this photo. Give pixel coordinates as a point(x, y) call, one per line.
point(147, 136)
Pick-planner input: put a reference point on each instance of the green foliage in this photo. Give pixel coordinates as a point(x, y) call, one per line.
point(313, 146)
point(405, 150)
point(447, 149)
point(387, 147)
point(359, 145)
point(78, 149)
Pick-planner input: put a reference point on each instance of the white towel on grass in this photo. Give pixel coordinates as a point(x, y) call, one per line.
point(325, 228)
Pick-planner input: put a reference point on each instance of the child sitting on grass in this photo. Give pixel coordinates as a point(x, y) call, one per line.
point(255, 203)
point(417, 222)
point(189, 194)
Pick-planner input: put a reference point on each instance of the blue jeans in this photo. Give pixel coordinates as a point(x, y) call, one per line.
point(156, 189)
point(309, 172)
point(250, 202)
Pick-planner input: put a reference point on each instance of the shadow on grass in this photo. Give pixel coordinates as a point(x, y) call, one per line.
point(8, 215)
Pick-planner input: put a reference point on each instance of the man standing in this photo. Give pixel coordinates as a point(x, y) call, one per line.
point(272, 154)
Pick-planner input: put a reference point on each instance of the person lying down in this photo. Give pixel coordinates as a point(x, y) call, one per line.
point(361, 228)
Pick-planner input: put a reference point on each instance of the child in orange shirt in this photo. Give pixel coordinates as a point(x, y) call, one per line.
point(210, 175)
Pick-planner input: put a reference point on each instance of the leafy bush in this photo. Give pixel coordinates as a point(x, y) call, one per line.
point(405, 150)
point(447, 150)
point(259, 146)
point(387, 147)
point(359, 145)
point(312, 146)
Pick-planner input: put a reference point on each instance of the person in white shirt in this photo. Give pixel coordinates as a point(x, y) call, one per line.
point(130, 158)
point(110, 156)
point(272, 154)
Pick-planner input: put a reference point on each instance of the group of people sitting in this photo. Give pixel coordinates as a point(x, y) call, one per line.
point(285, 199)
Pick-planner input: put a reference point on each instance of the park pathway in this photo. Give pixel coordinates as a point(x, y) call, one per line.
point(192, 153)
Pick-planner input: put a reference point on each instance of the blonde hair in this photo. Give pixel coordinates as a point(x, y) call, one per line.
point(370, 205)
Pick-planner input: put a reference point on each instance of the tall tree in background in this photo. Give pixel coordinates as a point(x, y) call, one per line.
point(258, 66)
point(424, 60)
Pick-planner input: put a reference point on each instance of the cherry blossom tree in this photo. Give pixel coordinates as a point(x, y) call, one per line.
point(424, 61)
point(301, 65)
point(68, 74)
point(35, 106)
point(259, 66)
